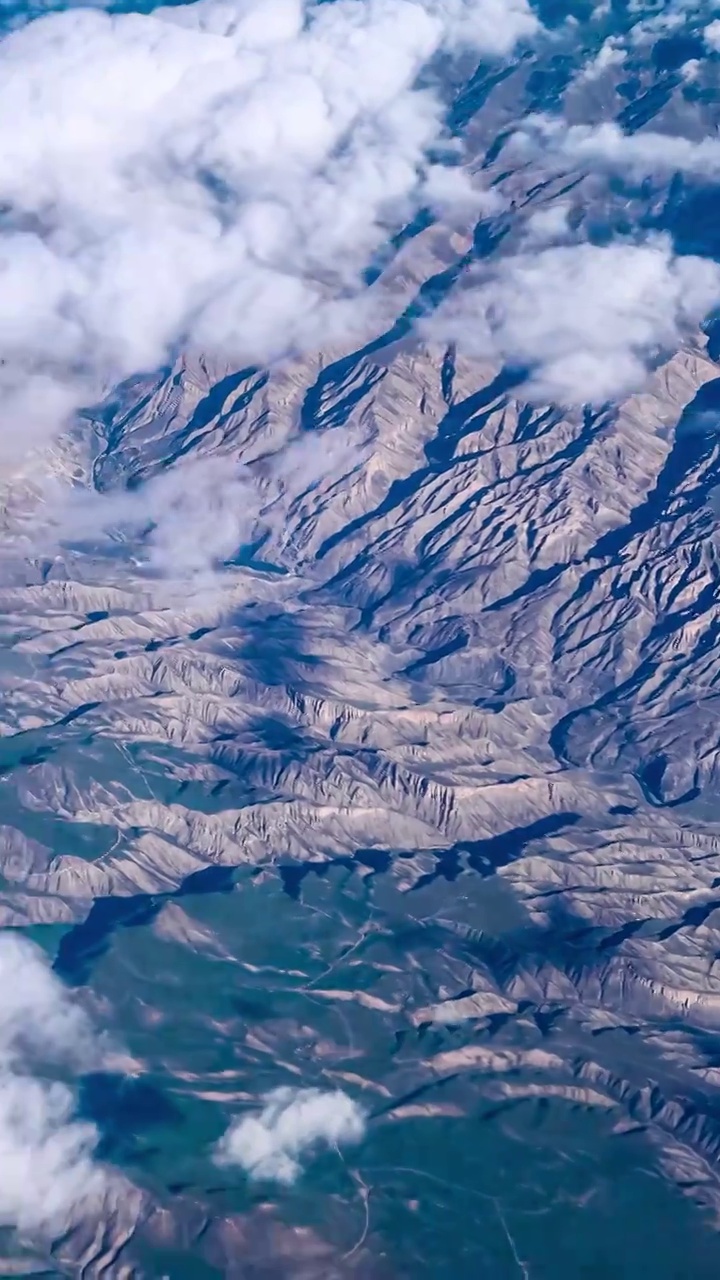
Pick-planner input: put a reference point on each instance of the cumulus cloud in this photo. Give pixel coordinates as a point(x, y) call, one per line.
point(48, 1171)
point(606, 146)
point(293, 1122)
point(690, 70)
point(448, 190)
point(711, 35)
point(549, 223)
point(611, 54)
point(215, 174)
point(491, 26)
point(37, 1015)
point(586, 321)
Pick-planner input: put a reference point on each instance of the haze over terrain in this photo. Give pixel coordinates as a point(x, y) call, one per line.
point(359, 744)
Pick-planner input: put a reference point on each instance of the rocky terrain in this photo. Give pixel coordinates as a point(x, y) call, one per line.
point(452, 690)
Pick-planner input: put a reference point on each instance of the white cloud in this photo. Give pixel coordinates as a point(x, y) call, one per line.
point(549, 223)
point(605, 146)
point(269, 1146)
point(587, 321)
point(37, 1014)
point(690, 70)
point(711, 35)
point(189, 517)
point(48, 1173)
point(491, 26)
point(183, 523)
point(611, 54)
point(448, 190)
point(214, 174)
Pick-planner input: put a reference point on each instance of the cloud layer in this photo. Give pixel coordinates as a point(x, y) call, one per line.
point(293, 1122)
point(216, 174)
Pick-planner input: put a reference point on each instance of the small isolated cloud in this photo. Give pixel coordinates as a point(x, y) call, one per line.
point(449, 190)
point(690, 70)
point(48, 1172)
point(586, 321)
point(549, 223)
point(612, 54)
point(293, 1122)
